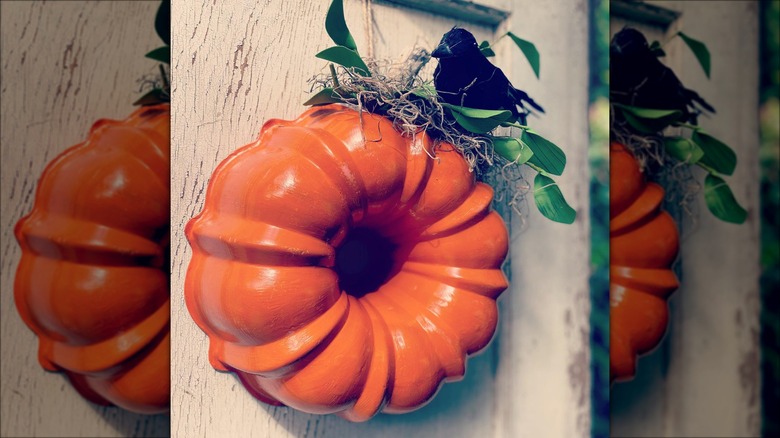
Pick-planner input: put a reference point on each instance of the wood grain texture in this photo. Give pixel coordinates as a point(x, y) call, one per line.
point(64, 65)
point(546, 353)
point(704, 378)
point(237, 65)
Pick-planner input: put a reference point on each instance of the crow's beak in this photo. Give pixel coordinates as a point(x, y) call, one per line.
point(443, 51)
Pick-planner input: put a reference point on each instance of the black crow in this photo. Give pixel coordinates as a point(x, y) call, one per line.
point(465, 77)
point(638, 78)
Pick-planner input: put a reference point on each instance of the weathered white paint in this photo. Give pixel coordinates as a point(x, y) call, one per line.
point(703, 380)
point(239, 64)
point(64, 65)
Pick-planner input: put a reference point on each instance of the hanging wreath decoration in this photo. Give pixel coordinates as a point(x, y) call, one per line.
point(348, 261)
point(415, 105)
point(93, 279)
point(655, 136)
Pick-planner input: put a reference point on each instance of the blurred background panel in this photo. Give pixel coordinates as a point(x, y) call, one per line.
point(704, 378)
point(239, 64)
point(64, 66)
point(598, 154)
point(770, 217)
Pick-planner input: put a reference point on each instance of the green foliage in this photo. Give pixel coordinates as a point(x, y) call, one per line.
point(646, 120)
point(153, 97)
point(478, 121)
point(683, 149)
point(162, 25)
point(345, 52)
point(162, 54)
point(484, 47)
point(529, 50)
point(549, 157)
point(323, 97)
point(529, 148)
point(162, 22)
point(345, 57)
point(651, 114)
point(336, 26)
point(701, 149)
point(699, 50)
point(657, 50)
point(717, 155)
point(721, 202)
point(550, 202)
point(512, 149)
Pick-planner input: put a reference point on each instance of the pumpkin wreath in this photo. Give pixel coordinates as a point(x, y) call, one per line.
point(349, 261)
point(93, 279)
point(655, 142)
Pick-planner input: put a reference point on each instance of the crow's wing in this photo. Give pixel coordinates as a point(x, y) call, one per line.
point(517, 97)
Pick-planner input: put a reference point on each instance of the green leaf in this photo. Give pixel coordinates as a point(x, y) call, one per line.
point(644, 126)
point(484, 47)
point(324, 97)
point(512, 149)
point(547, 155)
point(336, 26)
point(717, 155)
point(162, 54)
point(550, 200)
point(477, 126)
point(153, 97)
point(477, 120)
point(478, 113)
point(162, 22)
point(721, 202)
point(647, 120)
point(683, 149)
point(345, 57)
point(529, 50)
point(656, 49)
point(649, 113)
point(700, 50)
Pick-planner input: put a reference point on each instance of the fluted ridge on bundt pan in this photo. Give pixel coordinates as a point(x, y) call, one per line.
point(92, 282)
point(643, 245)
point(261, 282)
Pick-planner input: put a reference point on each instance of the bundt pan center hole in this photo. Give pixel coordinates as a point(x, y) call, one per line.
point(364, 261)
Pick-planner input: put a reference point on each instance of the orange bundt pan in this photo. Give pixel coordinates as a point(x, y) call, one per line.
point(268, 283)
point(93, 280)
point(643, 245)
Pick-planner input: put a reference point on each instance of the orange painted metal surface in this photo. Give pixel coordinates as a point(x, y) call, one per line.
point(643, 245)
point(93, 279)
point(340, 269)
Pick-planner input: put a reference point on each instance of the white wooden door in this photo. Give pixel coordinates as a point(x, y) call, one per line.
point(64, 66)
point(703, 380)
point(237, 64)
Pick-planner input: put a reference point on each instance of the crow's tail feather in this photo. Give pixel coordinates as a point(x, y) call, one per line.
point(521, 96)
point(694, 97)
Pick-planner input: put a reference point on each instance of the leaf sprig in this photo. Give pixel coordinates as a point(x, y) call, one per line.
point(529, 148)
point(162, 25)
point(527, 47)
point(700, 148)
